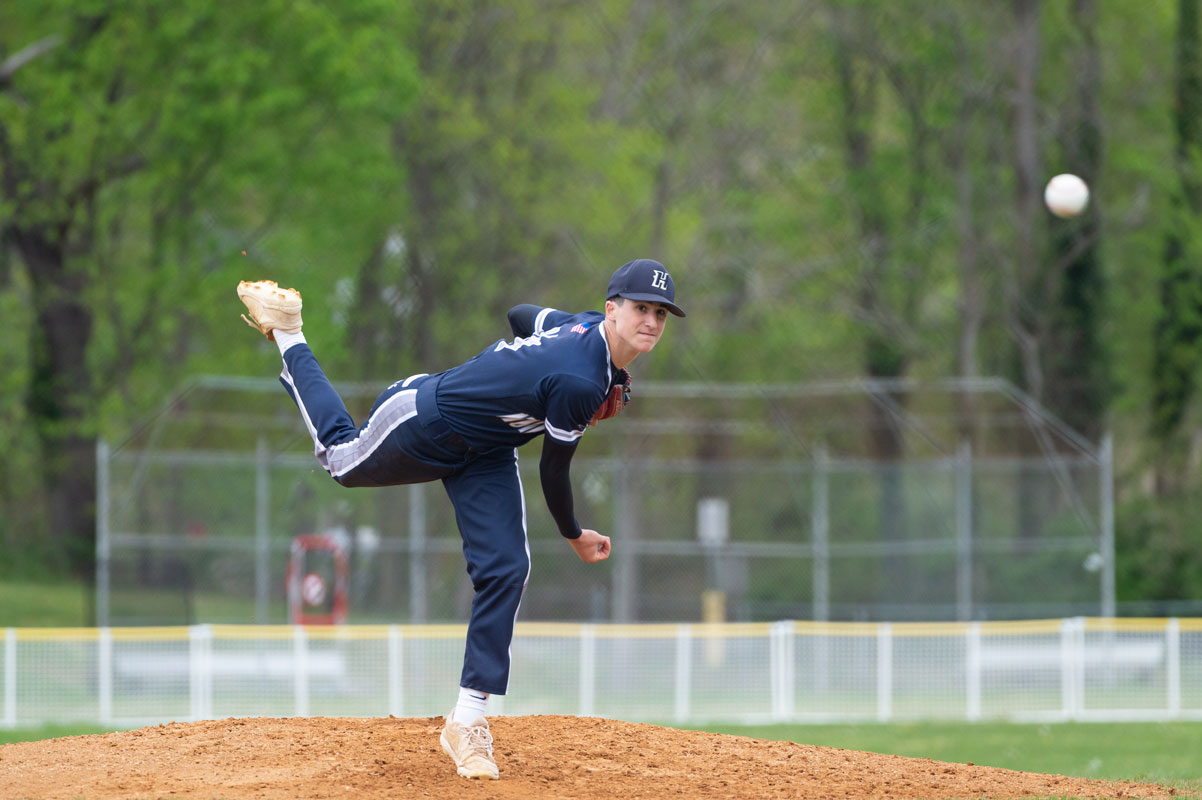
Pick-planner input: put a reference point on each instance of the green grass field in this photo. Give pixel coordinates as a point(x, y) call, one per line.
point(10, 735)
point(42, 605)
point(1167, 753)
point(27, 604)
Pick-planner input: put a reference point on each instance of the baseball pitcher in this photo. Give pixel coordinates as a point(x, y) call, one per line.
point(559, 374)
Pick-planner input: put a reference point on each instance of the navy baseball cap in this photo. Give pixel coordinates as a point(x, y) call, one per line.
point(644, 279)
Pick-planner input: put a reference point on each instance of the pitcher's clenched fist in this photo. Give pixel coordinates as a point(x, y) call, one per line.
point(590, 546)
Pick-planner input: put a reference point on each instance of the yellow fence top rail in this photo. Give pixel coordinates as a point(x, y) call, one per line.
point(1130, 624)
point(657, 630)
point(149, 634)
point(933, 629)
point(1021, 627)
point(57, 634)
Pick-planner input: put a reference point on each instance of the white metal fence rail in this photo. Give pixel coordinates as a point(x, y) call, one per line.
point(1069, 669)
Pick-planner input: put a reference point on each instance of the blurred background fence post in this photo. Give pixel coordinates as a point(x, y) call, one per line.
point(820, 523)
point(964, 516)
point(262, 530)
point(1106, 548)
point(418, 592)
point(103, 532)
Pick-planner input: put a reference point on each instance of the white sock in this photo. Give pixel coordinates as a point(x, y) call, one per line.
point(286, 340)
point(470, 706)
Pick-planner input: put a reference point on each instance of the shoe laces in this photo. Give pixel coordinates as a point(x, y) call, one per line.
point(479, 738)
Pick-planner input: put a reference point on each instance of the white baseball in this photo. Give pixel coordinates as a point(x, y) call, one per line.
point(1066, 195)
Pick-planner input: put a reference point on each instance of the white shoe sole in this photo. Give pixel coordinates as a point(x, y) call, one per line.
point(271, 308)
point(272, 297)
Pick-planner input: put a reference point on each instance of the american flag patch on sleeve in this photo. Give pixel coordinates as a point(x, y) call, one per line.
point(581, 328)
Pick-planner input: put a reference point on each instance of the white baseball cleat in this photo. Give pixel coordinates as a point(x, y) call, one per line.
point(271, 308)
point(470, 747)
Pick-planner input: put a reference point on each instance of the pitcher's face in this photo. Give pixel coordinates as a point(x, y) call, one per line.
point(636, 325)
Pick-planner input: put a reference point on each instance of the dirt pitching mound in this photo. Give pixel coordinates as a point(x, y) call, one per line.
point(539, 757)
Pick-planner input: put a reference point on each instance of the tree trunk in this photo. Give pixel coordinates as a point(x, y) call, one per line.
point(60, 394)
point(1021, 306)
point(883, 355)
point(1078, 385)
point(420, 342)
point(1028, 171)
point(367, 328)
point(1178, 332)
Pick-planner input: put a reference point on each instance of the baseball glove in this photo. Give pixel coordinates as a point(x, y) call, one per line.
point(616, 400)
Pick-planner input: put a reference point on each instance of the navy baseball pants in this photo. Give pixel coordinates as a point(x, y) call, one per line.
point(405, 440)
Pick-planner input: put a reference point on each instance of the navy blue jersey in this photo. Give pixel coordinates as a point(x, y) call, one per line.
point(552, 381)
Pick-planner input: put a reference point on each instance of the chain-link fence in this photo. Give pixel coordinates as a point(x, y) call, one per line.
point(865, 500)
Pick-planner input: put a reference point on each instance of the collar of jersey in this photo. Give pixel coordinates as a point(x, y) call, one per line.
point(609, 359)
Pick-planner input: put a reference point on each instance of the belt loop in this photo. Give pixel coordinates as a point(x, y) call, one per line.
point(427, 403)
point(427, 408)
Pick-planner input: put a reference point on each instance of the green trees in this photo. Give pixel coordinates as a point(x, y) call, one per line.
point(1179, 325)
point(129, 138)
point(841, 189)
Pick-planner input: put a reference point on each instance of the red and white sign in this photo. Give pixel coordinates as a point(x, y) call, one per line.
point(317, 580)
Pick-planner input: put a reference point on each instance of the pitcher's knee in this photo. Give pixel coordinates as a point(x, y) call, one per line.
point(501, 574)
point(353, 480)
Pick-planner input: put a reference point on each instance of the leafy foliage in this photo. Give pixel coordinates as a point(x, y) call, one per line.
point(841, 189)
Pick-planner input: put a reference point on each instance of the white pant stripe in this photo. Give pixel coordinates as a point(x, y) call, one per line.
point(393, 412)
point(319, 449)
point(526, 536)
point(341, 458)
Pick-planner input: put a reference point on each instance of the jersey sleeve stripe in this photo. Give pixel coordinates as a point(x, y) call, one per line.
point(561, 435)
point(541, 319)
